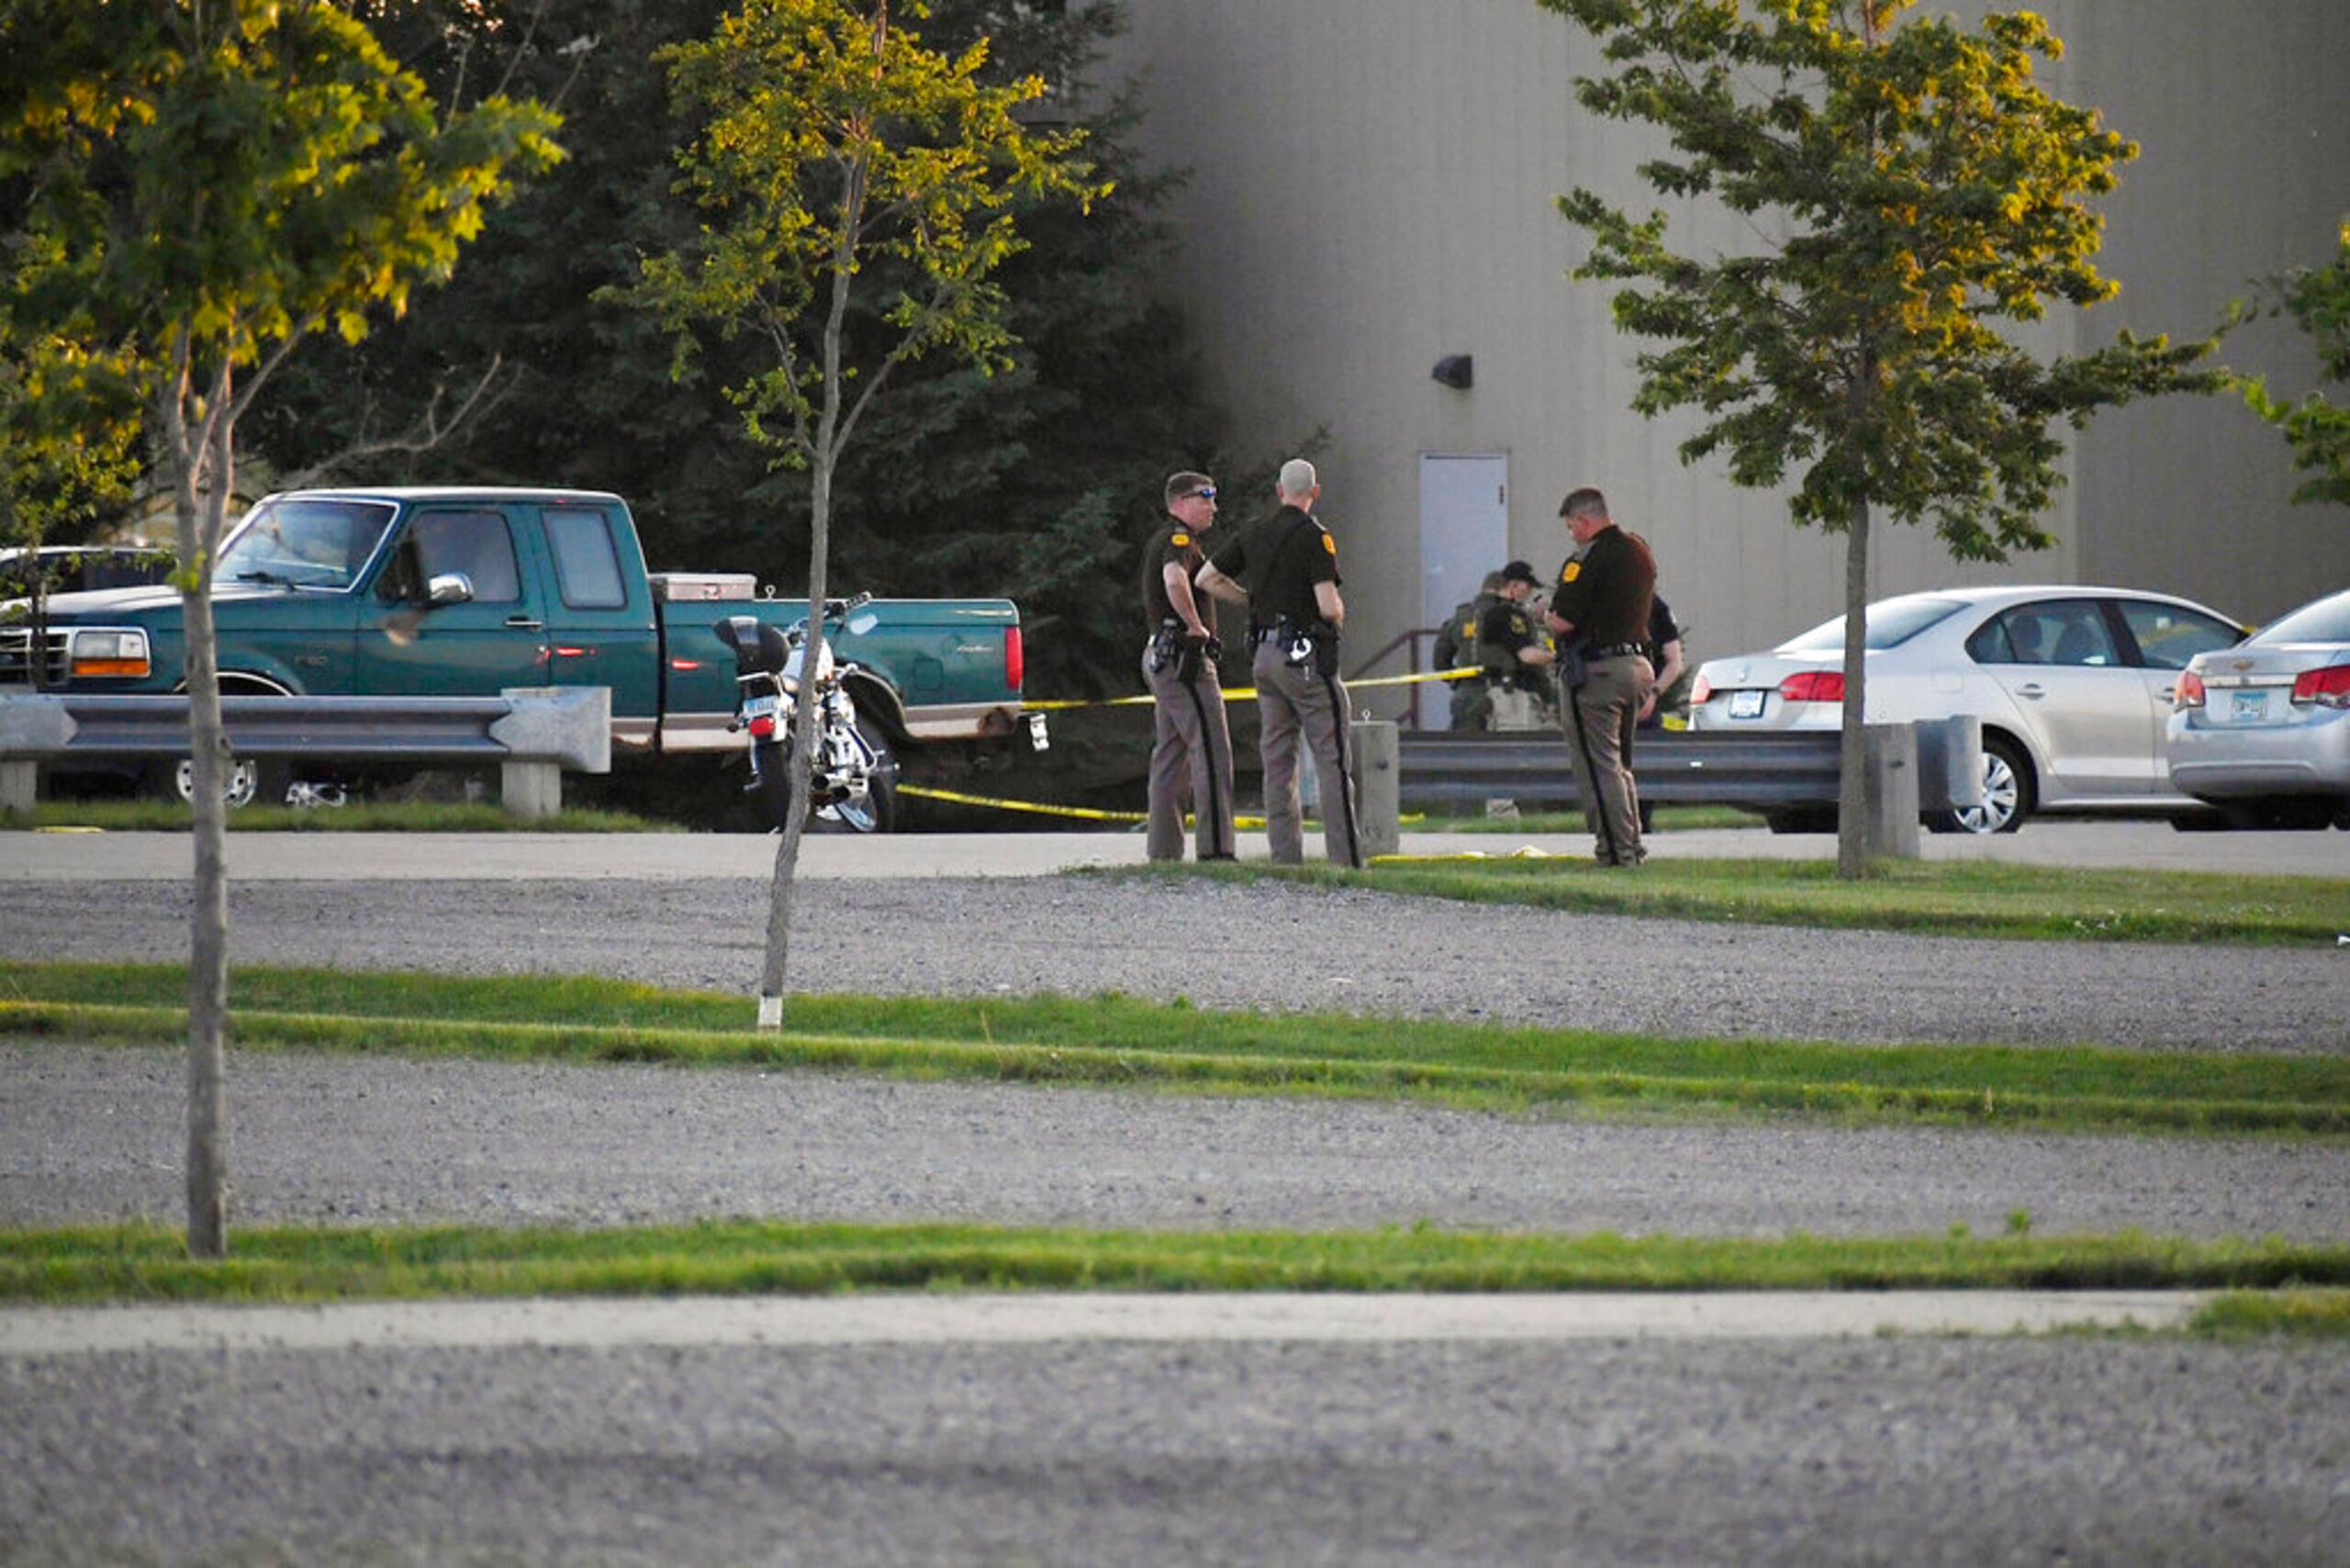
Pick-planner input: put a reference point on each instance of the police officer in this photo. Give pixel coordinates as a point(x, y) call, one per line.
point(1515, 653)
point(1285, 568)
point(1192, 757)
point(1456, 648)
point(1601, 610)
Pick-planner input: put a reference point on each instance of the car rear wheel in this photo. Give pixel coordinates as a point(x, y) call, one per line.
point(2009, 795)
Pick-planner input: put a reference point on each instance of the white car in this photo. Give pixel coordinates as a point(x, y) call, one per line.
point(2262, 730)
point(2073, 686)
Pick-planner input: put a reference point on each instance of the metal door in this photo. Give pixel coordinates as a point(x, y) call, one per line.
point(1464, 533)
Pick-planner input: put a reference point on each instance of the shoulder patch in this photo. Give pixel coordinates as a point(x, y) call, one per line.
point(1178, 539)
point(1570, 571)
point(1329, 543)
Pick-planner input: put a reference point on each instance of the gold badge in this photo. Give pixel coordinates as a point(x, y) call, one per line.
point(1569, 573)
point(1179, 541)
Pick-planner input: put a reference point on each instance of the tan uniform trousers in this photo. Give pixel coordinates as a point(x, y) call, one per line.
point(1597, 719)
point(1295, 701)
point(1190, 765)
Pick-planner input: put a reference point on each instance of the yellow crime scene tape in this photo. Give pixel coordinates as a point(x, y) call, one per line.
point(1089, 813)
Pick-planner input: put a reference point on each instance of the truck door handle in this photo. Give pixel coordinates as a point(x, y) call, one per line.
point(524, 623)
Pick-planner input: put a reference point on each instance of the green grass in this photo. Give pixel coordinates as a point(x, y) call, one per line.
point(1121, 1041)
point(1938, 898)
point(145, 1263)
point(420, 816)
point(2304, 1314)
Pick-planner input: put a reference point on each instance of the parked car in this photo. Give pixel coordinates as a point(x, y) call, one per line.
point(2262, 730)
point(78, 568)
point(2072, 686)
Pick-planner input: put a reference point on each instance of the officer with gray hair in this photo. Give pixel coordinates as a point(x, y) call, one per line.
point(1285, 568)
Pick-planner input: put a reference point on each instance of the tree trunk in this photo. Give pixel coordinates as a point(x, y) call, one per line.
point(200, 499)
point(802, 755)
point(1852, 786)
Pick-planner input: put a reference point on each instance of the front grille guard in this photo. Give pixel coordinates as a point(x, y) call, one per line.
point(15, 662)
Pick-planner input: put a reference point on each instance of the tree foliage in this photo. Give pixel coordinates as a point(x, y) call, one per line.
point(2315, 428)
point(1036, 482)
point(1916, 197)
point(838, 155)
point(206, 183)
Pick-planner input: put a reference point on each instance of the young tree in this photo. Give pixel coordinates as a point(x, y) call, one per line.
point(1914, 192)
point(210, 182)
point(836, 147)
point(2316, 429)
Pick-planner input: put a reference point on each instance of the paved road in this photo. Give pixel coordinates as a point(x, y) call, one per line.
point(1109, 1441)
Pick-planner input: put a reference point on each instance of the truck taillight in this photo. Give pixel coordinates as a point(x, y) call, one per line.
point(1013, 660)
point(2328, 687)
point(1814, 686)
point(2188, 693)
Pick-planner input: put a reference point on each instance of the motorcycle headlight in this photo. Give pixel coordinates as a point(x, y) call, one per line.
point(119, 652)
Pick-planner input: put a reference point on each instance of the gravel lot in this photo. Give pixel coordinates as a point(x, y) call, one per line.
point(1857, 1451)
point(1269, 945)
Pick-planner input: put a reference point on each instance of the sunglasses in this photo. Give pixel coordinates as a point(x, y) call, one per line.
point(1205, 493)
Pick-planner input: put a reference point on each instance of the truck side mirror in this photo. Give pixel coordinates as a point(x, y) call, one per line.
point(450, 587)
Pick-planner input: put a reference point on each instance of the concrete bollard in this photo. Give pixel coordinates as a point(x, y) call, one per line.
point(1891, 759)
point(531, 789)
point(19, 786)
point(1378, 784)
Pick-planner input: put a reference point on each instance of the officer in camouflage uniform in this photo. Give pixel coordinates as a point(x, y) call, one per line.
point(1192, 757)
point(1285, 568)
point(1456, 648)
point(1515, 655)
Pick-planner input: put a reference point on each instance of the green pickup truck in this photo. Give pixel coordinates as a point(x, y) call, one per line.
point(466, 591)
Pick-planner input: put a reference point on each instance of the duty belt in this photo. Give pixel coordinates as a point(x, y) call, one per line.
point(1616, 650)
point(1259, 635)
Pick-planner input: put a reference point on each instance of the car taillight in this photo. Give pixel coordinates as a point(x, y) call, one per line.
point(1013, 659)
point(2189, 692)
point(1701, 693)
point(2328, 687)
point(1814, 686)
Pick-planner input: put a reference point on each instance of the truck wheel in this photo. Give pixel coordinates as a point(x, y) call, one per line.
point(252, 780)
point(878, 812)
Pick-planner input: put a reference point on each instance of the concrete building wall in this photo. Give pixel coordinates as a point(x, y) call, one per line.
point(1372, 186)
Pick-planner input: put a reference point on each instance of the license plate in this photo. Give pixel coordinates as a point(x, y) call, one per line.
point(758, 707)
point(1746, 704)
point(2248, 707)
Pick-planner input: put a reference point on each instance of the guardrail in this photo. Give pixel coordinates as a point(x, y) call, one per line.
point(532, 733)
point(1929, 766)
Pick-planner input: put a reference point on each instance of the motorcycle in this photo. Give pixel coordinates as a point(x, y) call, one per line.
point(852, 776)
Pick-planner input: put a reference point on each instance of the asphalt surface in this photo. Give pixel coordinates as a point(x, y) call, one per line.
point(1110, 1438)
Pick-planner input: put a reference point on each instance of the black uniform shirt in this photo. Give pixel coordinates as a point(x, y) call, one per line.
point(1663, 628)
point(1278, 560)
point(1606, 593)
point(1174, 542)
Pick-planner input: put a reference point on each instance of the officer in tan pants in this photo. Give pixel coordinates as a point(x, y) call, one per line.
point(1285, 568)
point(1193, 757)
point(1600, 613)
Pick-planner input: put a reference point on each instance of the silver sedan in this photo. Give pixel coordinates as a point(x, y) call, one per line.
point(2262, 730)
point(2072, 686)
